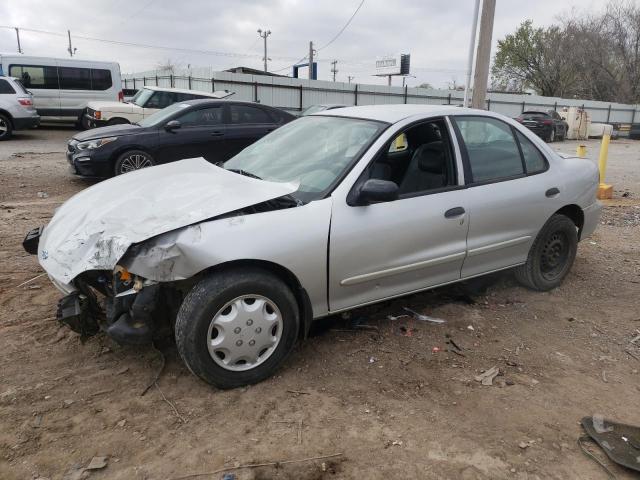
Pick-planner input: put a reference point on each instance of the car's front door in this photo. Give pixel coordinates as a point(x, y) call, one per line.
point(387, 249)
point(201, 134)
point(245, 125)
point(510, 190)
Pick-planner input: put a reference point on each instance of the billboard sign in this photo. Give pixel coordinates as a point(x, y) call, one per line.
point(393, 65)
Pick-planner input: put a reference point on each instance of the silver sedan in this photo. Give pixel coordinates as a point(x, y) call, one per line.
point(328, 213)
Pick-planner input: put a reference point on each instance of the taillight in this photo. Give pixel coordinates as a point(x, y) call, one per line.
point(121, 96)
point(25, 102)
point(548, 122)
point(518, 119)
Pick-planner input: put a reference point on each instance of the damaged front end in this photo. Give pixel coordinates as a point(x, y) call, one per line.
point(129, 309)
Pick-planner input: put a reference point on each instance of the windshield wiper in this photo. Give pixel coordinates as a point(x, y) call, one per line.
point(245, 173)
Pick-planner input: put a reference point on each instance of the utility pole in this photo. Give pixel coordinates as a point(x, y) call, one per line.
point(350, 77)
point(18, 38)
point(472, 44)
point(334, 69)
point(310, 60)
point(71, 50)
point(264, 35)
point(483, 54)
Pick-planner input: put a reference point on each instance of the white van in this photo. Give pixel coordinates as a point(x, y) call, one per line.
point(62, 87)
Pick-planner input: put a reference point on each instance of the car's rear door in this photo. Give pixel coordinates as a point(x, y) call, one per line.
point(387, 249)
point(511, 192)
point(245, 125)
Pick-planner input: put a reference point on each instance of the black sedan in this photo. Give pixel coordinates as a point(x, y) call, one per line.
point(547, 124)
point(214, 129)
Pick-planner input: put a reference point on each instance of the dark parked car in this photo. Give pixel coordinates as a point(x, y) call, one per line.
point(547, 124)
point(214, 129)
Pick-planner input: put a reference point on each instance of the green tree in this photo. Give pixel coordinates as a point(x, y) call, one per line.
point(535, 58)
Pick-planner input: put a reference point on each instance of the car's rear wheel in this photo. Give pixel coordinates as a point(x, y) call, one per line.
point(237, 328)
point(551, 136)
point(551, 255)
point(6, 127)
point(133, 160)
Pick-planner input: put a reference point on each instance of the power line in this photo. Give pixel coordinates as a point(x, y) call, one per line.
point(343, 28)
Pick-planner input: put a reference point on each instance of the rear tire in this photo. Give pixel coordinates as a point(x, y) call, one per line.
point(551, 255)
point(6, 127)
point(552, 136)
point(133, 160)
point(228, 342)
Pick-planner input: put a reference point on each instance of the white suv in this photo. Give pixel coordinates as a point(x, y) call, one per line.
point(16, 108)
point(145, 102)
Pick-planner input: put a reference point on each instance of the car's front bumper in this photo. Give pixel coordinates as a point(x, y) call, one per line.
point(89, 163)
point(591, 219)
point(93, 122)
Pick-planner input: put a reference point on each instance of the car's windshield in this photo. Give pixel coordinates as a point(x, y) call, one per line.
point(156, 119)
point(141, 97)
point(311, 151)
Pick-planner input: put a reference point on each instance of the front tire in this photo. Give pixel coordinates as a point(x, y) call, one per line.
point(133, 160)
point(237, 327)
point(551, 255)
point(6, 127)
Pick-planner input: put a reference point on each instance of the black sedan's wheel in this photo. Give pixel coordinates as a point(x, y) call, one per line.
point(551, 136)
point(551, 255)
point(6, 128)
point(237, 328)
point(133, 160)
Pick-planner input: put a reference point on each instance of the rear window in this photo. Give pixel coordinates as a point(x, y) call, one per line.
point(534, 115)
point(6, 88)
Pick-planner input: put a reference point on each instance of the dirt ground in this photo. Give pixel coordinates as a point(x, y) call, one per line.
point(380, 396)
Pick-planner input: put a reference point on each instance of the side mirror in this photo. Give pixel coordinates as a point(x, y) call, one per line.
point(172, 125)
point(375, 191)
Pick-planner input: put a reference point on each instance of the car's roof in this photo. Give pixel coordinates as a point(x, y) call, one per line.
point(538, 111)
point(219, 101)
point(397, 112)
point(216, 94)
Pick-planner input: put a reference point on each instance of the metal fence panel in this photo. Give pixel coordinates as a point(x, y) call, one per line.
point(295, 94)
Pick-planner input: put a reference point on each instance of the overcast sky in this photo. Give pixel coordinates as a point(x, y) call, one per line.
point(435, 32)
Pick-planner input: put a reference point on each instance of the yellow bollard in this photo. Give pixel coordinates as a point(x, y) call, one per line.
point(581, 151)
point(604, 191)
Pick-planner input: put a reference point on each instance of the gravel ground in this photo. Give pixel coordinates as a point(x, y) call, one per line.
point(382, 397)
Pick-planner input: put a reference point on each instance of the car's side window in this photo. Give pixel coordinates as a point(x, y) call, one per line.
point(160, 100)
point(35, 76)
point(533, 159)
point(5, 87)
point(202, 117)
point(247, 114)
point(418, 160)
point(491, 148)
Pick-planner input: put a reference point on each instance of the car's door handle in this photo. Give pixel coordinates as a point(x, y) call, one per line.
point(217, 134)
point(552, 192)
point(454, 212)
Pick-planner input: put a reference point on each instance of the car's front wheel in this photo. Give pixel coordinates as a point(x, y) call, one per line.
point(6, 128)
point(133, 160)
point(551, 255)
point(237, 327)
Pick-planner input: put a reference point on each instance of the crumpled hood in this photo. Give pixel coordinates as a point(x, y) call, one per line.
point(93, 229)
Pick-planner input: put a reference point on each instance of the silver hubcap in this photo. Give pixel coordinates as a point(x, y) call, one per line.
point(135, 162)
point(244, 333)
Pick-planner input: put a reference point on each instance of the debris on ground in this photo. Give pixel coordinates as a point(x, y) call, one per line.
point(97, 463)
point(424, 318)
point(42, 195)
point(619, 441)
point(486, 377)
